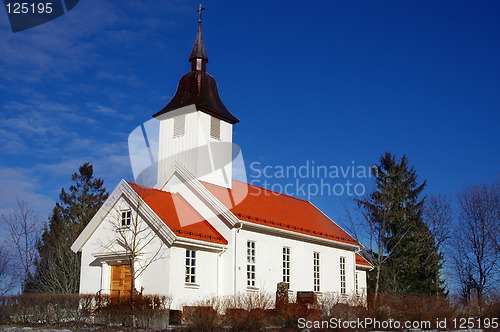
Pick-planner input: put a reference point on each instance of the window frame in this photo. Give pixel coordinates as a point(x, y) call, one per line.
point(190, 267)
point(287, 265)
point(316, 272)
point(251, 263)
point(126, 218)
point(356, 288)
point(343, 284)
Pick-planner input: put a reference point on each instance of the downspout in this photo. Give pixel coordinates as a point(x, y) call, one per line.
point(100, 281)
point(218, 267)
point(354, 275)
point(356, 252)
point(235, 247)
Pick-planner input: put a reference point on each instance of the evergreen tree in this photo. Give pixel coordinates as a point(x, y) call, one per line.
point(58, 268)
point(408, 257)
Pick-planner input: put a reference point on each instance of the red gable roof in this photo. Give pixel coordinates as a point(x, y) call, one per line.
point(361, 261)
point(277, 210)
point(252, 204)
point(173, 207)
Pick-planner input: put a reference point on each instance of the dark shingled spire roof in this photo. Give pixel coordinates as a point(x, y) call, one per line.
point(199, 51)
point(198, 87)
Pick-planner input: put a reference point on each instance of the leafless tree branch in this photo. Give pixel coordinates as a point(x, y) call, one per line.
point(24, 232)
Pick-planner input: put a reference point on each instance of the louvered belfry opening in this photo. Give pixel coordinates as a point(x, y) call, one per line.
point(215, 128)
point(179, 126)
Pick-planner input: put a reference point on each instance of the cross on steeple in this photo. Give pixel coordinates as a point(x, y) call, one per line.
point(199, 10)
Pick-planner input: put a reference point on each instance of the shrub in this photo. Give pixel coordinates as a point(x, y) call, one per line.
point(201, 318)
point(243, 312)
point(143, 311)
point(40, 308)
point(250, 311)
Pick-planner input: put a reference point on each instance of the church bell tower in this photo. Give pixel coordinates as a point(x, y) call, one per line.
point(196, 128)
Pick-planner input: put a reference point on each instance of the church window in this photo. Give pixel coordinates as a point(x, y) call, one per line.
point(316, 271)
point(342, 276)
point(190, 266)
point(179, 126)
point(251, 263)
point(357, 284)
point(126, 217)
point(215, 128)
point(286, 265)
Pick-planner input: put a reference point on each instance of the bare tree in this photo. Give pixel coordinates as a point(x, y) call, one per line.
point(361, 222)
point(494, 203)
point(351, 222)
point(135, 237)
point(438, 215)
point(379, 250)
point(7, 277)
point(24, 233)
point(57, 274)
point(476, 263)
point(378, 246)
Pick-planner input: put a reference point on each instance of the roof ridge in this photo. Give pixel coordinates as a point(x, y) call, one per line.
point(252, 185)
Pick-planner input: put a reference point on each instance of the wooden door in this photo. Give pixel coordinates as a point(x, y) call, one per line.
point(121, 280)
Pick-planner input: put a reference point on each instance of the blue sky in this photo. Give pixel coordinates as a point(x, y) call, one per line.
point(334, 82)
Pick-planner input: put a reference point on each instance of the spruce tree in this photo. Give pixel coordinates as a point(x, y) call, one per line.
point(58, 268)
point(410, 261)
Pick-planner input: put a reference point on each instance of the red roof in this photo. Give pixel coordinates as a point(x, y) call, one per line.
point(173, 207)
point(277, 210)
point(247, 202)
point(361, 261)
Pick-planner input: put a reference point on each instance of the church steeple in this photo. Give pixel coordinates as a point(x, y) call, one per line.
point(198, 57)
point(198, 87)
point(196, 129)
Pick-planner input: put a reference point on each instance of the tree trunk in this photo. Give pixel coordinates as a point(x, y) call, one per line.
point(132, 284)
point(377, 280)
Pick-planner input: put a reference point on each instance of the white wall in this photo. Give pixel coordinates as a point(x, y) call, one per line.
point(206, 276)
point(94, 277)
point(216, 269)
point(269, 251)
point(362, 284)
point(95, 273)
point(90, 272)
point(206, 158)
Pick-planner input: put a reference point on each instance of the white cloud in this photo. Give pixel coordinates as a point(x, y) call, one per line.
point(20, 183)
point(44, 128)
point(114, 77)
point(100, 109)
point(54, 109)
point(41, 184)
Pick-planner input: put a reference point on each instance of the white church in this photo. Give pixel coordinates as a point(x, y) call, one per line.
point(199, 233)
